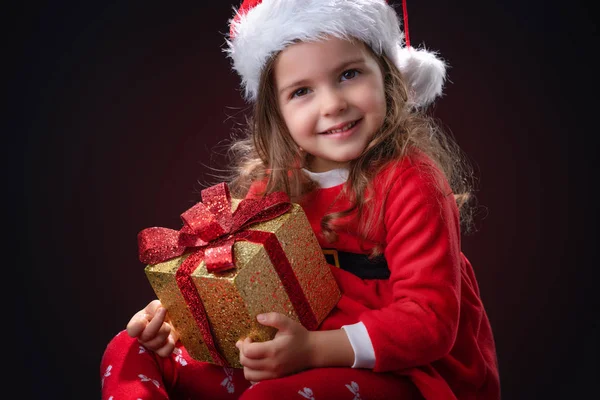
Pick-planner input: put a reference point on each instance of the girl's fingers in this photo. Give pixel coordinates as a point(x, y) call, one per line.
point(155, 325)
point(168, 347)
point(152, 307)
point(257, 360)
point(137, 323)
point(158, 340)
point(254, 364)
point(140, 319)
point(163, 347)
point(256, 350)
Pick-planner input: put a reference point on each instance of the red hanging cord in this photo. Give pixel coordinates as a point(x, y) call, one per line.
point(405, 15)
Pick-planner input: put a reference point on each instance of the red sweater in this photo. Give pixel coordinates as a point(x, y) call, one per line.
point(427, 320)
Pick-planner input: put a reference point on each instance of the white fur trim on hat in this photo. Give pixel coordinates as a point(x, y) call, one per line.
point(272, 25)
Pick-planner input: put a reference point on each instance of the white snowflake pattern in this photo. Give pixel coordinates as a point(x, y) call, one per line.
point(179, 357)
point(142, 350)
point(228, 381)
point(106, 373)
point(307, 393)
point(353, 387)
point(144, 378)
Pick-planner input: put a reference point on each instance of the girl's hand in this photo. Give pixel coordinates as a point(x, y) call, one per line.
point(289, 352)
point(152, 329)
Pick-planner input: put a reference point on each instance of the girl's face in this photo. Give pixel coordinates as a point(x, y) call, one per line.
point(332, 99)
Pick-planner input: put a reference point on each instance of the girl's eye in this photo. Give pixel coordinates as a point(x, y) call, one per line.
point(350, 74)
point(300, 92)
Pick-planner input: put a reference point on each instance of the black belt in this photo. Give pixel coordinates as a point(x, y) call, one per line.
point(360, 265)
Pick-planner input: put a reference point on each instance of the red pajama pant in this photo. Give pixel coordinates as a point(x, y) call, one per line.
point(129, 371)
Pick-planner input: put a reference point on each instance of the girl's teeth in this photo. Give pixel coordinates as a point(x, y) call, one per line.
point(345, 128)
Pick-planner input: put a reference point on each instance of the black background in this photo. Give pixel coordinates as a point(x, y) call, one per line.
point(117, 110)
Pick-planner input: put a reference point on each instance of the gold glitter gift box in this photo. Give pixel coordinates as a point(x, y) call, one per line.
point(274, 265)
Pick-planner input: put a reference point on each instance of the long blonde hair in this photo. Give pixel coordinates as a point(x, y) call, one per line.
point(267, 152)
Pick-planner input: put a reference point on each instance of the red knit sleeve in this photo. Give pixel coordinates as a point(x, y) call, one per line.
point(423, 253)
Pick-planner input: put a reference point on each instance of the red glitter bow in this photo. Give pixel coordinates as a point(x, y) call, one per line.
point(212, 226)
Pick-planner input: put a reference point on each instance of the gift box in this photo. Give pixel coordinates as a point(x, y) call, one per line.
point(232, 260)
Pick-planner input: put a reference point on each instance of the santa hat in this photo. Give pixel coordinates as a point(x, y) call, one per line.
point(261, 28)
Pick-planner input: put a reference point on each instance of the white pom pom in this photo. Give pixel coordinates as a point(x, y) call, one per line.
point(424, 72)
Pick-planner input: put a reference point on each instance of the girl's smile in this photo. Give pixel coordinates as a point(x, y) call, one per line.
point(342, 130)
point(333, 107)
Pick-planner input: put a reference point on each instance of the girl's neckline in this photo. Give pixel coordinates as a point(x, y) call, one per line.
point(328, 179)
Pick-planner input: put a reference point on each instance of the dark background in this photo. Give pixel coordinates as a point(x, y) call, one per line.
point(116, 111)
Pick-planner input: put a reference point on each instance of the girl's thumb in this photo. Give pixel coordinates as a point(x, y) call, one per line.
point(275, 320)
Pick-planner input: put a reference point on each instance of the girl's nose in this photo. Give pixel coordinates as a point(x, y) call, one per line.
point(333, 102)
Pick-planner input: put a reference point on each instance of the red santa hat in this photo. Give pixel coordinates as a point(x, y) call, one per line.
point(261, 28)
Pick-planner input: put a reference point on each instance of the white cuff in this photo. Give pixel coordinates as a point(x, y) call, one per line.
point(364, 354)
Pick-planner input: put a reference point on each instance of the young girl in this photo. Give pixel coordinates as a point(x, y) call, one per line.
point(339, 124)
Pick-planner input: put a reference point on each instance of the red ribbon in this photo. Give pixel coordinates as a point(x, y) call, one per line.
point(209, 232)
point(405, 15)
